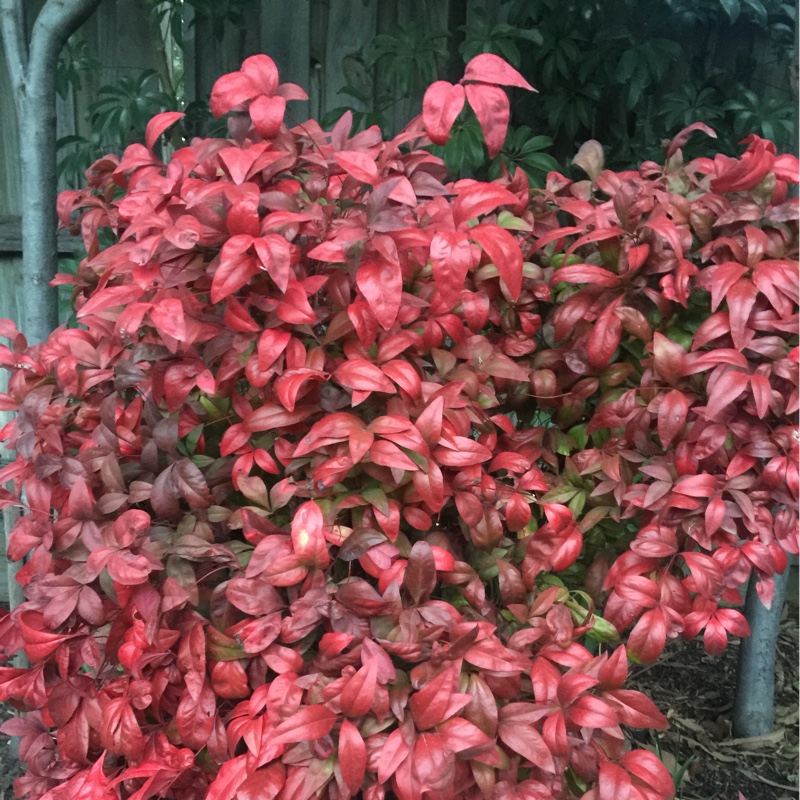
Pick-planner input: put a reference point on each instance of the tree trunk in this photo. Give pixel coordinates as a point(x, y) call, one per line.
point(32, 71)
point(754, 705)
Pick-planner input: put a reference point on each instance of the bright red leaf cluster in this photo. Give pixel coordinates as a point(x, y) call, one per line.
point(328, 492)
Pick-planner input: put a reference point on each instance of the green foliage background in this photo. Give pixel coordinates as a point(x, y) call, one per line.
point(629, 73)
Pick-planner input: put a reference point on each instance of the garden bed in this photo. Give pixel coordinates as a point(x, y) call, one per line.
point(696, 692)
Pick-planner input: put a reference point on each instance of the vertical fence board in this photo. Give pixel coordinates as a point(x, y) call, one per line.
point(351, 27)
point(10, 177)
point(286, 38)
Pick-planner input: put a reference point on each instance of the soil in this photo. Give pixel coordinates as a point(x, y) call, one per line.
point(696, 692)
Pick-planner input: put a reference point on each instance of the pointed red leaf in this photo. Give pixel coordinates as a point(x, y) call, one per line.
point(358, 164)
point(429, 705)
point(475, 199)
point(158, 124)
point(491, 107)
point(267, 115)
point(359, 693)
point(305, 725)
point(441, 105)
point(352, 756)
point(489, 68)
point(503, 250)
point(671, 416)
point(725, 390)
point(420, 574)
point(524, 739)
point(451, 259)
point(381, 283)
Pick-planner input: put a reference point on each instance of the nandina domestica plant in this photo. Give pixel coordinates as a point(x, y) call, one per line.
point(324, 494)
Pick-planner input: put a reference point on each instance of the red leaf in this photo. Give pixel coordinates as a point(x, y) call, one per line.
point(359, 693)
point(726, 389)
point(229, 91)
point(267, 115)
point(158, 124)
point(305, 725)
point(262, 71)
point(762, 393)
point(646, 767)
point(195, 715)
point(741, 298)
point(263, 784)
point(671, 416)
point(275, 255)
point(648, 638)
point(589, 711)
point(605, 336)
point(524, 739)
point(475, 199)
point(362, 376)
point(451, 259)
point(503, 250)
point(352, 756)
point(271, 344)
point(295, 308)
point(461, 736)
point(394, 752)
point(390, 455)
point(702, 485)
point(680, 138)
point(358, 164)
point(491, 107)
point(420, 574)
point(381, 283)
point(585, 273)
point(308, 538)
point(429, 705)
point(430, 486)
point(441, 105)
point(489, 68)
point(229, 778)
point(635, 709)
point(235, 268)
point(613, 782)
point(669, 358)
point(666, 228)
point(270, 417)
point(706, 572)
point(429, 422)
point(722, 278)
point(462, 452)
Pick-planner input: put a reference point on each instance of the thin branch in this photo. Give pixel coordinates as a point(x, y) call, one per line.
point(12, 27)
point(56, 22)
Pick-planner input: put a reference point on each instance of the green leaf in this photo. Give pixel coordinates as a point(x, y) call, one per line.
point(377, 497)
point(603, 631)
point(759, 8)
point(579, 436)
point(732, 9)
point(561, 494)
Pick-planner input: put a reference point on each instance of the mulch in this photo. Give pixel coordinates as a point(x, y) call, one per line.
point(696, 693)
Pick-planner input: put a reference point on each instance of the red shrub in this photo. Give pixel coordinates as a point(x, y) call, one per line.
point(300, 486)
